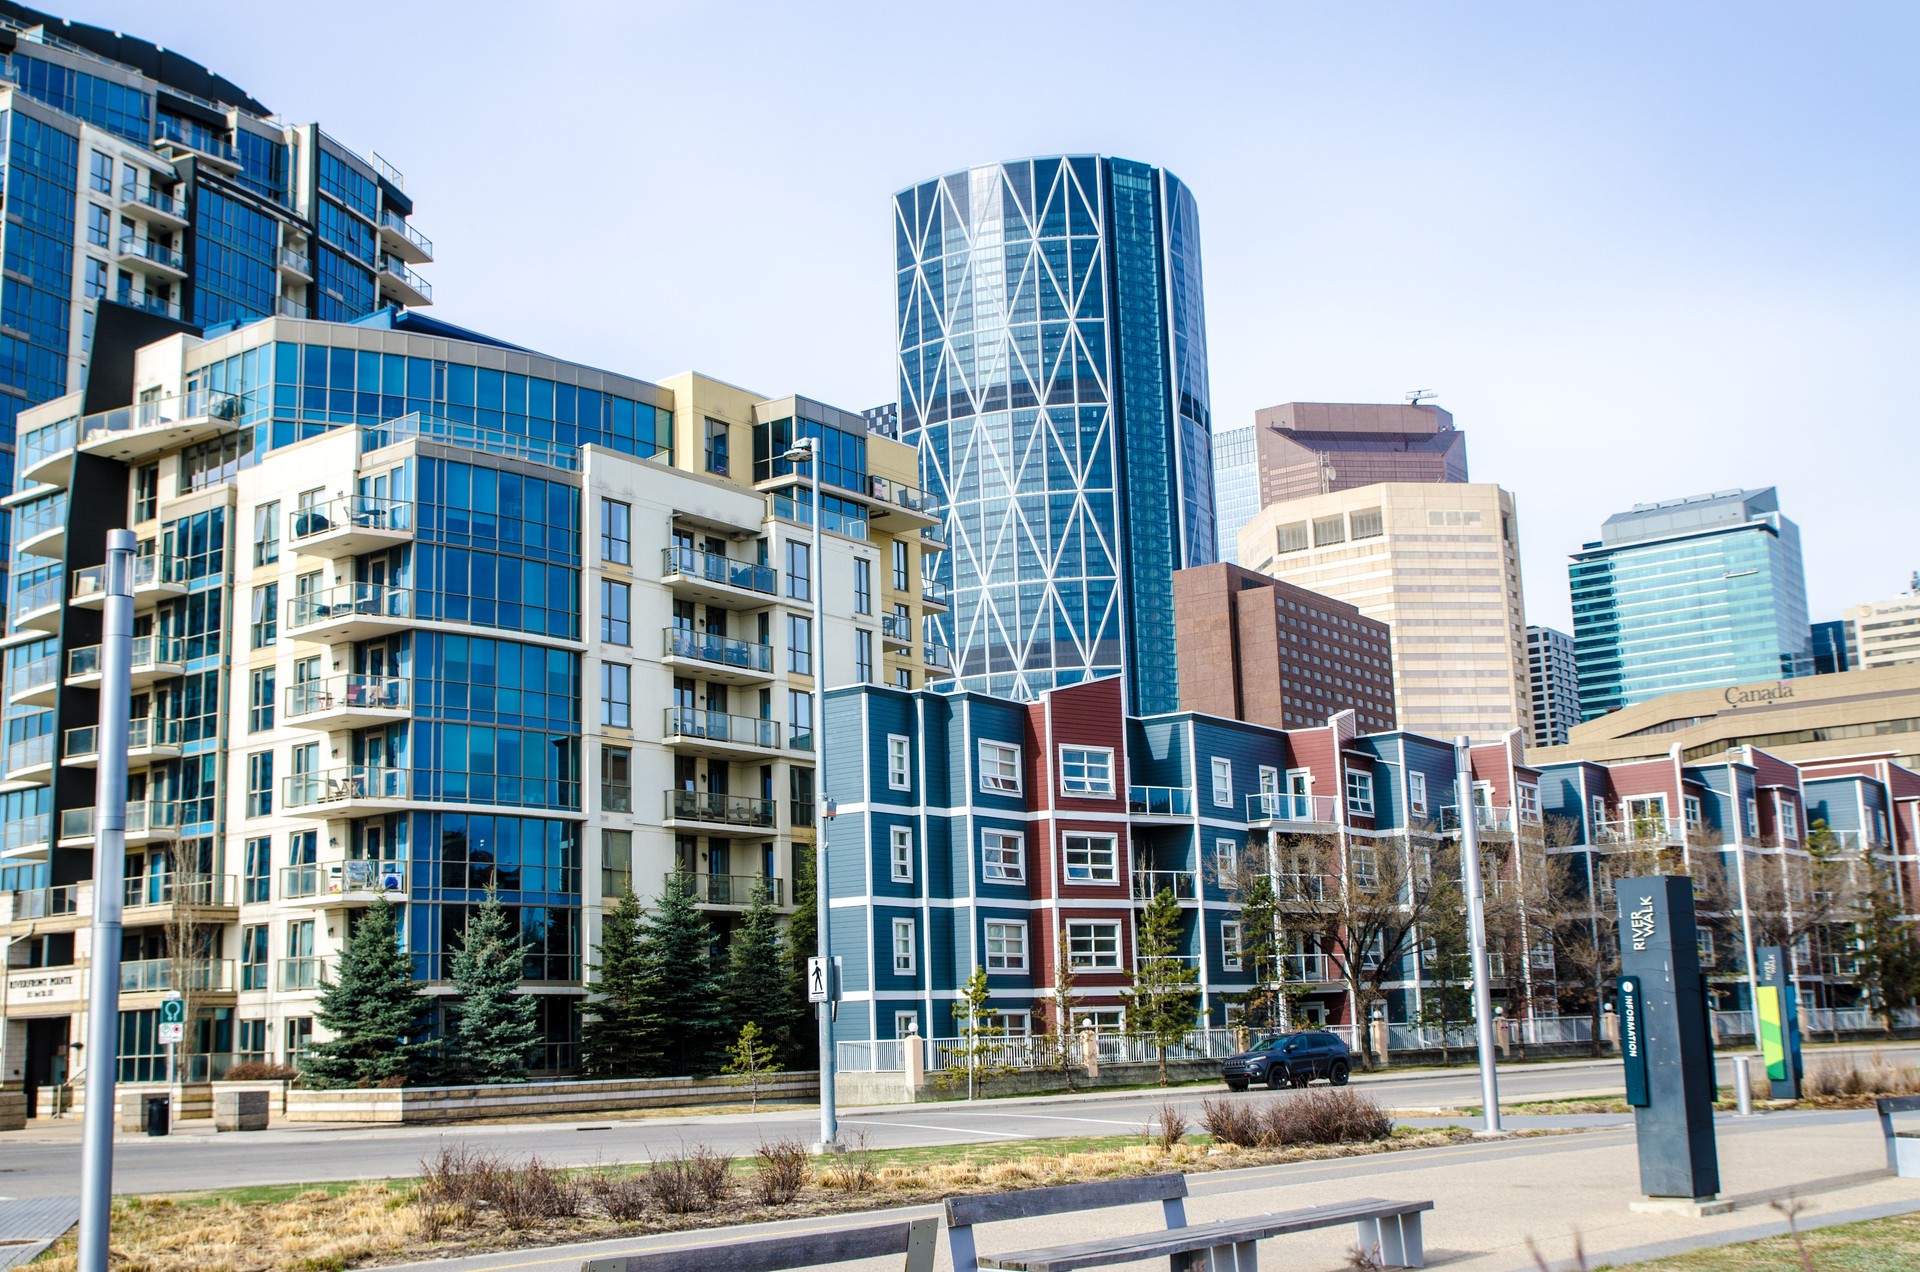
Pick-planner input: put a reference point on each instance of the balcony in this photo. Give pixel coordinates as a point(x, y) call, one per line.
point(348, 702)
point(938, 657)
point(300, 975)
point(150, 302)
point(712, 579)
point(1148, 884)
point(41, 527)
point(76, 826)
point(288, 307)
point(402, 285)
point(800, 511)
point(172, 137)
point(36, 607)
point(1159, 801)
point(297, 883)
point(153, 658)
point(27, 839)
point(37, 683)
point(350, 885)
point(934, 594)
point(155, 898)
point(1649, 831)
point(160, 975)
point(151, 821)
point(46, 453)
point(1305, 888)
point(151, 257)
point(717, 658)
point(705, 812)
point(896, 630)
point(145, 429)
point(350, 612)
point(349, 526)
point(360, 790)
point(399, 239)
point(934, 535)
point(296, 264)
point(903, 506)
point(1304, 969)
point(735, 892)
point(155, 577)
point(30, 760)
point(153, 205)
point(716, 733)
point(1282, 811)
point(45, 906)
point(149, 741)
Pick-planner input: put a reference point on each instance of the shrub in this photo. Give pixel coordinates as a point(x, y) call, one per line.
point(674, 1185)
point(465, 1178)
point(261, 1071)
point(621, 1195)
point(854, 1173)
point(1235, 1122)
point(710, 1173)
point(1337, 1116)
point(1172, 1125)
point(1839, 1081)
point(780, 1172)
point(532, 1192)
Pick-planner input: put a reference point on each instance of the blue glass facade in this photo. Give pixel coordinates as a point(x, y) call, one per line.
point(1689, 594)
point(1052, 363)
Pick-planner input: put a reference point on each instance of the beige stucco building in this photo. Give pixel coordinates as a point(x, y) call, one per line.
point(1440, 565)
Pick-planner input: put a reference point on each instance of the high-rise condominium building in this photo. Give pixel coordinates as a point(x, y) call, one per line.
point(1830, 641)
point(1053, 371)
point(1317, 448)
point(1439, 564)
point(135, 176)
point(1884, 633)
point(1236, 490)
point(419, 614)
point(1553, 685)
point(1689, 594)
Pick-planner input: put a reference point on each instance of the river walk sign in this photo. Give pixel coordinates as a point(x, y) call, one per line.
point(1665, 1040)
point(1777, 1011)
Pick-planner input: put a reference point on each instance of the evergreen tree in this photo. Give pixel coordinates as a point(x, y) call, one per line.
point(497, 1027)
point(759, 986)
point(677, 946)
point(373, 1010)
point(803, 943)
point(622, 1030)
point(1164, 1000)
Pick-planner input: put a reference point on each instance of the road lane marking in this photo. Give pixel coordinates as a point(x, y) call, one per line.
point(945, 1130)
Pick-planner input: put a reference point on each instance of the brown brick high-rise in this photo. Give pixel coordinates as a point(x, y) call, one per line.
point(1254, 648)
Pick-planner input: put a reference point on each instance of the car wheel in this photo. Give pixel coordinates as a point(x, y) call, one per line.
point(1338, 1074)
point(1277, 1077)
point(1301, 1079)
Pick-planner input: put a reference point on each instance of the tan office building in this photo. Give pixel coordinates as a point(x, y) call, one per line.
point(1884, 633)
point(1440, 565)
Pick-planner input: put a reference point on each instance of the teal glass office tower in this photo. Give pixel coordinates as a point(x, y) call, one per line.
point(1689, 594)
point(1053, 372)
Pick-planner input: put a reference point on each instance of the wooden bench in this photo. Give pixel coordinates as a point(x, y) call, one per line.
point(1903, 1147)
point(1387, 1230)
point(914, 1238)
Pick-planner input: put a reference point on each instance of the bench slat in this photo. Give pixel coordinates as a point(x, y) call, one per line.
point(1899, 1103)
point(1109, 1250)
point(1063, 1198)
point(793, 1250)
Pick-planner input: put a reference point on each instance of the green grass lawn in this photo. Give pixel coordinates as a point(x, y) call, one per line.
point(1878, 1245)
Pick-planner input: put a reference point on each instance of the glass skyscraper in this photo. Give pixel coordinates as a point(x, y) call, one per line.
point(1053, 371)
point(1689, 594)
point(136, 177)
point(1236, 489)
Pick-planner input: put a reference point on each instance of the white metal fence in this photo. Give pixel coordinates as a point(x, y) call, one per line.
point(1034, 1051)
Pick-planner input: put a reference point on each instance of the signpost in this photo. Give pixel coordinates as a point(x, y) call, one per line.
point(173, 1019)
point(1633, 1041)
point(1776, 1020)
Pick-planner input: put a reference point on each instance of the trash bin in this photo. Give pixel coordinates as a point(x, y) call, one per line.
point(157, 1114)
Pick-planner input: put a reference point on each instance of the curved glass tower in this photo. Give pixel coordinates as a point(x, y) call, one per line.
point(1053, 370)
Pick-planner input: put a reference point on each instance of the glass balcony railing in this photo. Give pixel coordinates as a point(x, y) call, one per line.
point(718, 726)
point(397, 224)
point(26, 833)
point(158, 200)
point(38, 674)
point(349, 512)
point(938, 656)
point(724, 889)
point(934, 534)
point(1160, 801)
point(45, 594)
point(47, 903)
point(1281, 806)
point(76, 823)
point(397, 268)
point(723, 651)
point(800, 511)
point(151, 302)
point(41, 516)
point(148, 249)
point(170, 130)
point(48, 440)
point(345, 785)
point(354, 692)
point(897, 627)
point(150, 975)
point(150, 653)
point(711, 567)
point(28, 752)
point(349, 601)
point(934, 592)
point(911, 498)
point(298, 974)
point(160, 413)
point(299, 881)
point(1148, 884)
point(168, 889)
point(158, 569)
point(488, 441)
point(298, 262)
point(729, 810)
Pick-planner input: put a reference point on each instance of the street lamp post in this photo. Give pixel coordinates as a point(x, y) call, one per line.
point(1477, 930)
point(807, 450)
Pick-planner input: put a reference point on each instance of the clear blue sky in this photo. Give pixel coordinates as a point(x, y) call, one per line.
point(1641, 250)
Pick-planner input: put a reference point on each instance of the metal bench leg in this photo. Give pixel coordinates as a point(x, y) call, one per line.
point(1233, 1257)
point(1393, 1240)
point(921, 1243)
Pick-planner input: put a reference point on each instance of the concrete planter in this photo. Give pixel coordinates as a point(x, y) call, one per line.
point(240, 1110)
point(13, 1110)
point(275, 1090)
point(427, 1105)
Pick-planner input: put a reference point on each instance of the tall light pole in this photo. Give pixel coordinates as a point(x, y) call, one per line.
point(1477, 928)
point(807, 450)
point(109, 868)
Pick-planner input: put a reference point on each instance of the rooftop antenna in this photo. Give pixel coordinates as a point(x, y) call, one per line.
point(1418, 395)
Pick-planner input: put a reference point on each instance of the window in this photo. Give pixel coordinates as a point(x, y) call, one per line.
point(616, 863)
point(902, 678)
point(266, 533)
point(1753, 815)
point(1360, 792)
point(1230, 945)
point(252, 1045)
point(1689, 807)
point(253, 956)
point(899, 566)
point(1102, 1020)
point(146, 493)
point(263, 629)
point(863, 656)
point(96, 278)
point(299, 1036)
point(616, 601)
point(1417, 792)
point(899, 762)
point(903, 955)
point(1530, 802)
point(1789, 820)
point(1006, 946)
point(1703, 941)
point(1329, 530)
point(1086, 770)
point(260, 784)
point(616, 695)
point(258, 882)
point(616, 532)
point(799, 645)
point(99, 223)
point(100, 172)
point(1094, 946)
point(616, 779)
point(1366, 523)
point(1222, 782)
point(260, 700)
point(800, 718)
point(1092, 859)
point(1291, 538)
point(1600, 812)
point(862, 586)
point(799, 571)
point(1003, 857)
point(1226, 860)
point(1365, 862)
point(999, 768)
point(906, 1023)
point(716, 447)
point(900, 842)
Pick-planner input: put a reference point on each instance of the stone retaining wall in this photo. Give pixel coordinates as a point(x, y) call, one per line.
point(855, 1089)
point(416, 1105)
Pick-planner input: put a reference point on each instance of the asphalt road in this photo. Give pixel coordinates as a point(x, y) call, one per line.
point(40, 1163)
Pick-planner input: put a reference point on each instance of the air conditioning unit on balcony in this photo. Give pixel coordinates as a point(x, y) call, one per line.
point(390, 881)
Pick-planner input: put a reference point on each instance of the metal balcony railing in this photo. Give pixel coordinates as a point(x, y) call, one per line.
point(298, 262)
point(147, 249)
point(355, 692)
point(158, 200)
point(730, 810)
point(726, 889)
point(711, 567)
point(1281, 806)
point(912, 498)
point(349, 600)
point(897, 627)
point(718, 726)
point(349, 512)
point(151, 302)
point(1148, 884)
point(46, 903)
point(684, 642)
point(934, 592)
point(345, 785)
point(938, 656)
point(150, 975)
point(302, 973)
point(160, 413)
point(393, 221)
point(1304, 969)
point(38, 674)
point(299, 881)
point(1160, 801)
point(144, 891)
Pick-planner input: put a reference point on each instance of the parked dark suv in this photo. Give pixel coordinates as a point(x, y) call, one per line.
point(1293, 1059)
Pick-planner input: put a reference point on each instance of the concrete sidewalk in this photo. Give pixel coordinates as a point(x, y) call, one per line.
point(1489, 1200)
